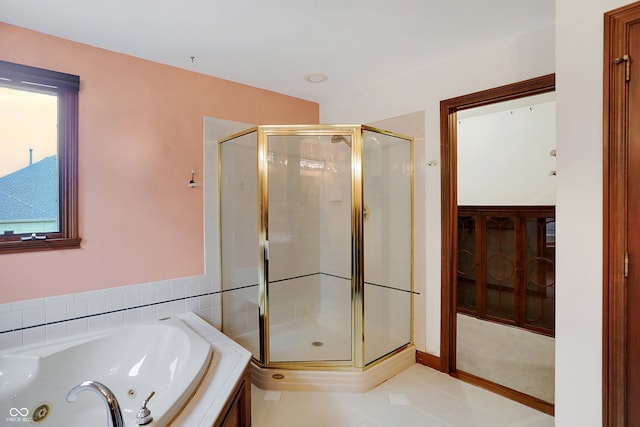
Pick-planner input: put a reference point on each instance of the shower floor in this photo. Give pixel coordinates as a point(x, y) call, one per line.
point(310, 339)
point(314, 338)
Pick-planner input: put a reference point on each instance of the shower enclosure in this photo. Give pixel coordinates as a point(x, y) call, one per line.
point(316, 244)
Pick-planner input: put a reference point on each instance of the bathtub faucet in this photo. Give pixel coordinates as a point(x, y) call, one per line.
point(113, 407)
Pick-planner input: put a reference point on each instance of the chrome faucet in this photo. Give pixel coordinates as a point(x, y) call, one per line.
point(113, 407)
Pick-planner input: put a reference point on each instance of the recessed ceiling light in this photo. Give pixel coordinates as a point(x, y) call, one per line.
point(316, 78)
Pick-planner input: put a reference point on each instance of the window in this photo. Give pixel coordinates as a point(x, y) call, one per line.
point(38, 159)
point(506, 265)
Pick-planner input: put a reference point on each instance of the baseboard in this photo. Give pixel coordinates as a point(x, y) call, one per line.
point(429, 360)
point(525, 399)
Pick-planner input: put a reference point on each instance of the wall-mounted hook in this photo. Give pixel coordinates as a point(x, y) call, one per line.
point(192, 182)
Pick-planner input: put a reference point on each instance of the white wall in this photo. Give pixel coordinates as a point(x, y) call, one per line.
point(578, 43)
point(496, 147)
point(527, 56)
point(579, 52)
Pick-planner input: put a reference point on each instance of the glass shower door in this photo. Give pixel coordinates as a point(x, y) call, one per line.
point(388, 253)
point(240, 262)
point(309, 248)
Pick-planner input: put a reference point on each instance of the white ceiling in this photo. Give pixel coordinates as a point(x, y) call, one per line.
point(274, 44)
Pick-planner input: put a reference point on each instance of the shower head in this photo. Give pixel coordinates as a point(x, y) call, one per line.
point(335, 139)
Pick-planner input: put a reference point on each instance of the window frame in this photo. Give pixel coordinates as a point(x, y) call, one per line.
point(66, 87)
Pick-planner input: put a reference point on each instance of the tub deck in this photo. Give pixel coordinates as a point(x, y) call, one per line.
point(226, 372)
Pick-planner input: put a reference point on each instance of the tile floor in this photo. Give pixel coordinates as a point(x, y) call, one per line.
point(418, 396)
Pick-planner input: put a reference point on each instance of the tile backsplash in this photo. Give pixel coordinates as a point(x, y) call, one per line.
point(31, 321)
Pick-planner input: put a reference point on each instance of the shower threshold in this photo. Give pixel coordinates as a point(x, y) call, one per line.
point(334, 380)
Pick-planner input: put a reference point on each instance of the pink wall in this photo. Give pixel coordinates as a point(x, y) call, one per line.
point(141, 134)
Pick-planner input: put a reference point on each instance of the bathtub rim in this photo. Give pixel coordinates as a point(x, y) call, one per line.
point(225, 373)
point(51, 346)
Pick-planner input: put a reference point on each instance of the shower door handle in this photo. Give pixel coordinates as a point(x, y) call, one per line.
point(266, 250)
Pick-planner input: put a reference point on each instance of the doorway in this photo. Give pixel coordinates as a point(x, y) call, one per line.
point(621, 291)
point(505, 223)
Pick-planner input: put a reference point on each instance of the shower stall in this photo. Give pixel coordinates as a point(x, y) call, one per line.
point(316, 245)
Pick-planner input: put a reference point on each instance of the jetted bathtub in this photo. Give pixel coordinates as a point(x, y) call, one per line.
point(166, 357)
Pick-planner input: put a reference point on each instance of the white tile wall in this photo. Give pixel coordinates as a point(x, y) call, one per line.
point(241, 312)
point(32, 321)
point(29, 336)
point(294, 299)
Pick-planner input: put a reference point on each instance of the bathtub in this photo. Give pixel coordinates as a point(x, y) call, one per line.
point(166, 357)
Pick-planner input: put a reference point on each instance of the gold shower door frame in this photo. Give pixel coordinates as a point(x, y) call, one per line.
point(356, 132)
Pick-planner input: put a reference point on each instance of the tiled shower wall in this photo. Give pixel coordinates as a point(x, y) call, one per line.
point(32, 321)
point(311, 209)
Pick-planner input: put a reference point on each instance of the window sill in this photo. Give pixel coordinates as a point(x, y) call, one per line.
point(39, 245)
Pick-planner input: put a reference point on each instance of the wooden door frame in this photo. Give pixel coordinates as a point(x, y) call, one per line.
point(449, 197)
point(614, 302)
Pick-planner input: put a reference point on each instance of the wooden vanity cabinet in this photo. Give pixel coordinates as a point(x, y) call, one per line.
point(237, 410)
